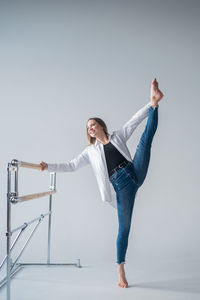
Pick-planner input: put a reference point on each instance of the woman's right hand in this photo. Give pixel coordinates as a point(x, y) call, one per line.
point(43, 165)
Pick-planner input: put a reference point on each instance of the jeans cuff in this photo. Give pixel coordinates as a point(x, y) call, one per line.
point(154, 108)
point(123, 262)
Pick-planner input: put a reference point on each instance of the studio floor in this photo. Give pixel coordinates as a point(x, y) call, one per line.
point(99, 281)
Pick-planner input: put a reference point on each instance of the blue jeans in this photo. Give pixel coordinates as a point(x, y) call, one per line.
point(126, 182)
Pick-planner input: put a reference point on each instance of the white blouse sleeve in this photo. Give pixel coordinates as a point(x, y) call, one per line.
point(78, 162)
point(127, 129)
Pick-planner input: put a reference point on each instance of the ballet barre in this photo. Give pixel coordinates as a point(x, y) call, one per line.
point(14, 198)
point(23, 164)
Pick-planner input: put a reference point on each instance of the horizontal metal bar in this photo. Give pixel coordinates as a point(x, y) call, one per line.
point(78, 264)
point(30, 222)
point(30, 197)
point(19, 266)
point(50, 264)
point(24, 164)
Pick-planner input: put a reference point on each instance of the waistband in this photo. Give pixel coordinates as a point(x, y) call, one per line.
point(120, 166)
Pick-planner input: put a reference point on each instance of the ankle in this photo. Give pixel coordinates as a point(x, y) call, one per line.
point(154, 104)
point(121, 268)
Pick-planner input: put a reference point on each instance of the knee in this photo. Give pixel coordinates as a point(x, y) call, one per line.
point(124, 231)
point(141, 181)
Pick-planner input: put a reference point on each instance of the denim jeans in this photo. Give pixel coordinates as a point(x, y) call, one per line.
point(126, 181)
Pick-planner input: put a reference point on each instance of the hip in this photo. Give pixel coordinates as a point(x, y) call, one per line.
point(124, 178)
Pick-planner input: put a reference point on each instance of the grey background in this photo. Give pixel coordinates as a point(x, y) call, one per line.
point(65, 61)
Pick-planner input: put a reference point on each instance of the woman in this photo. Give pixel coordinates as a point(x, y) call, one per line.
point(118, 175)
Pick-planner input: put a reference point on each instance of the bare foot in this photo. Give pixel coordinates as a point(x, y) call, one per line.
point(122, 278)
point(156, 94)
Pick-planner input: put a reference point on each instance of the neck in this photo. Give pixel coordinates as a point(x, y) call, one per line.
point(103, 139)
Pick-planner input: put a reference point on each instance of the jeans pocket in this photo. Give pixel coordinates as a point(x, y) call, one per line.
point(122, 181)
point(113, 177)
point(131, 176)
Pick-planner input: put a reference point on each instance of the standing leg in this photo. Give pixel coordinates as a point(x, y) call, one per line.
point(125, 203)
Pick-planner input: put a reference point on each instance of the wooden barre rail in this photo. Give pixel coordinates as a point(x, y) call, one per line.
point(24, 164)
point(14, 199)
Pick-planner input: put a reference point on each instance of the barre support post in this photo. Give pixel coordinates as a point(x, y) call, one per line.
point(8, 233)
point(52, 187)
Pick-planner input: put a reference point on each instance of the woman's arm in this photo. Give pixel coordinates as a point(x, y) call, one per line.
point(78, 162)
point(127, 129)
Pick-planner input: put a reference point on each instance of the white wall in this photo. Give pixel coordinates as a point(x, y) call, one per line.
point(65, 61)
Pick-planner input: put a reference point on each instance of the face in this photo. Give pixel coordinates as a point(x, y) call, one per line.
point(93, 128)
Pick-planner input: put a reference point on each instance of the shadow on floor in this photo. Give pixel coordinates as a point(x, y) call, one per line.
point(186, 285)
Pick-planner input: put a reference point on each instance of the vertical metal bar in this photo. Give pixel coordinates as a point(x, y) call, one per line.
point(52, 187)
point(49, 230)
point(78, 263)
point(16, 181)
point(8, 233)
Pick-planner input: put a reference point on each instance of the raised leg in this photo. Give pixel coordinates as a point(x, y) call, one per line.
point(126, 196)
point(143, 151)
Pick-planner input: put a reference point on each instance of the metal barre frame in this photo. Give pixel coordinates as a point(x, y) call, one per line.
point(22, 228)
point(13, 198)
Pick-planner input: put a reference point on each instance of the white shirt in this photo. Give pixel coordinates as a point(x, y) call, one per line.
point(95, 156)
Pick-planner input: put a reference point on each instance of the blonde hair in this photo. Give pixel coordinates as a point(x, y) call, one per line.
point(91, 139)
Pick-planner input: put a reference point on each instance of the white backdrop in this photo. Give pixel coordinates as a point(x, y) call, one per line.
point(65, 61)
